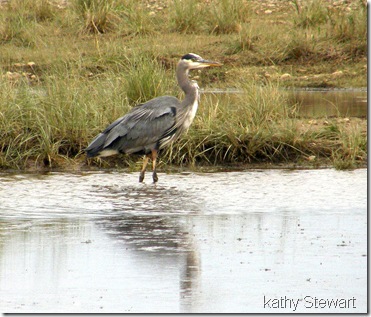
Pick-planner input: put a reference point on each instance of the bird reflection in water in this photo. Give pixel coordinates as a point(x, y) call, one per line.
point(148, 221)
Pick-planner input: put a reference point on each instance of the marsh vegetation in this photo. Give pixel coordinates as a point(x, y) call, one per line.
point(70, 68)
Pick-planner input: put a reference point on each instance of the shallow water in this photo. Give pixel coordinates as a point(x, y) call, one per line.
point(316, 103)
point(331, 103)
point(195, 242)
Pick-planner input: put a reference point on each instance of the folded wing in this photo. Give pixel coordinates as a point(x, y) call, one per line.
point(144, 128)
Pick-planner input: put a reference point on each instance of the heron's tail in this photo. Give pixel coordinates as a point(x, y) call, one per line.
point(96, 146)
point(99, 147)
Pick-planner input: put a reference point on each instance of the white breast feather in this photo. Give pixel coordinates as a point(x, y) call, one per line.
point(190, 115)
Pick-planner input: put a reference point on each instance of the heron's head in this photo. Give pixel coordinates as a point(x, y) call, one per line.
point(194, 61)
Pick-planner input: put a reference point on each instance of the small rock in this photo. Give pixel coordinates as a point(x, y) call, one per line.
point(338, 73)
point(311, 158)
point(31, 64)
point(13, 76)
point(268, 11)
point(285, 76)
point(343, 120)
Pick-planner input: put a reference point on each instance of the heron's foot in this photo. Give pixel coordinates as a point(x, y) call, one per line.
point(141, 177)
point(154, 176)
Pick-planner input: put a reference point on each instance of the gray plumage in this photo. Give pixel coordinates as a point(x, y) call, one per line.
point(140, 130)
point(149, 127)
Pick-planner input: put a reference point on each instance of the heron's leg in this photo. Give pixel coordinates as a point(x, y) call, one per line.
point(143, 170)
point(154, 161)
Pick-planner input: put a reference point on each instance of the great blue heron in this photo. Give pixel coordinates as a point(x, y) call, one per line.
point(150, 126)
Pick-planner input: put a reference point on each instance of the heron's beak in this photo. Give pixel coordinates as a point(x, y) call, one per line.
point(207, 63)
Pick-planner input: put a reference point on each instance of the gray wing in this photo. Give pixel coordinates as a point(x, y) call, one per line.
point(140, 130)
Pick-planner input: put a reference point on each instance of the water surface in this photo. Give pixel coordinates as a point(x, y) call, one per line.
point(316, 103)
point(195, 242)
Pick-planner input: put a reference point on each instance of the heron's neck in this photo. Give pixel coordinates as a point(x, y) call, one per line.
point(190, 90)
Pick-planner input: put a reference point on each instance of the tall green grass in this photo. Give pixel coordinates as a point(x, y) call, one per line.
point(145, 78)
point(55, 123)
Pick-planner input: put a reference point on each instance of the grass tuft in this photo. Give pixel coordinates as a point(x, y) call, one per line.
point(187, 16)
point(96, 15)
point(311, 13)
point(227, 16)
point(352, 147)
point(145, 79)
